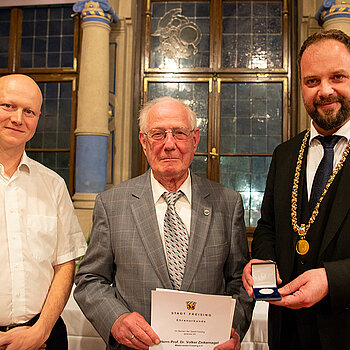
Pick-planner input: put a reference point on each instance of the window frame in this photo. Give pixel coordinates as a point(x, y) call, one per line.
point(58, 74)
point(287, 74)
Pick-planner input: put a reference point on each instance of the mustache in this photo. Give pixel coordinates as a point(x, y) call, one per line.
point(325, 100)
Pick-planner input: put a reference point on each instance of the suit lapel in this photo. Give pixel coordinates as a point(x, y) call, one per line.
point(145, 217)
point(201, 214)
point(340, 207)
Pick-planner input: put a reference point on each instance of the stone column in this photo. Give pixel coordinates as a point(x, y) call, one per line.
point(334, 15)
point(93, 97)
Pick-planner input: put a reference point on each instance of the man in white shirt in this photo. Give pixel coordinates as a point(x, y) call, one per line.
point(39, 231)
point(305, 214)
point(134, 247)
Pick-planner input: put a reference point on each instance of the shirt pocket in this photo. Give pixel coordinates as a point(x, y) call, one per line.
point(42, 236)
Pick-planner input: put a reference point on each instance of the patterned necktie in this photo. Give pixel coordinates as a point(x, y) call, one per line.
point(324, 169)
point(176, 239)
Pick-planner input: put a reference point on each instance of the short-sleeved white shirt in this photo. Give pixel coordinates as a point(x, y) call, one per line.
point(38, 230)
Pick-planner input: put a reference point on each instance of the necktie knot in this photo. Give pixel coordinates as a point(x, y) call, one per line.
point(324, 169)
point(172, 197)
point(328, 141)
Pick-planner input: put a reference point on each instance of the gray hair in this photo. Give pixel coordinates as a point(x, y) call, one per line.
point(146, 108)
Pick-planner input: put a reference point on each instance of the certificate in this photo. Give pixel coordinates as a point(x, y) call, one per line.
point(185, 320)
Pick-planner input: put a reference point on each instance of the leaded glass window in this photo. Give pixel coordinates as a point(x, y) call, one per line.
point(54, 127)
point(251, 117)
point(252, 34)
point(5, 20)
point(229, 60)
point(42, 42)
point(47, 37)
point(180, 35)
point(251, 124)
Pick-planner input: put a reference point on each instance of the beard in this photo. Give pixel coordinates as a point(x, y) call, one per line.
point(330, 120)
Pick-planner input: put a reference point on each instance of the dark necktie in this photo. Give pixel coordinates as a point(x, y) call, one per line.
point(324, 169)
point(176, 239)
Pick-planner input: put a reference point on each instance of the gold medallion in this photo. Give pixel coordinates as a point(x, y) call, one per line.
point(302, 246)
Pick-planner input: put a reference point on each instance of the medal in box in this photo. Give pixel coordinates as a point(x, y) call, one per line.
point(265, 281)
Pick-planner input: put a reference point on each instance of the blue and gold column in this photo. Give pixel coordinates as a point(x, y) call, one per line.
point(334, 15)
point(93, 97)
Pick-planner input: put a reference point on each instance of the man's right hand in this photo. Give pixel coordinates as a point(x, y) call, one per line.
point(248, 279)
point(132, 330)
point(22, 338)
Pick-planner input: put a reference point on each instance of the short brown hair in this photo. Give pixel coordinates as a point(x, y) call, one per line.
point(333, 34)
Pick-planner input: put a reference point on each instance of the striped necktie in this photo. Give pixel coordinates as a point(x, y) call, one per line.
point(176, 239)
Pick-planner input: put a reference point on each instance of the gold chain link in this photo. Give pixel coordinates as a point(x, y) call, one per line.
point(303, 229)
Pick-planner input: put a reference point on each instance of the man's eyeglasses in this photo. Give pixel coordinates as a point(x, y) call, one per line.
point(159, 135)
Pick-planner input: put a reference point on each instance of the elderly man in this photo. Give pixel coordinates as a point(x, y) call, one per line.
point(130, 253)
point(305, 222)
point(39, 231)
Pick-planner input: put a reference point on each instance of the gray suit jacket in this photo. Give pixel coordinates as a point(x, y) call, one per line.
point(125, 259)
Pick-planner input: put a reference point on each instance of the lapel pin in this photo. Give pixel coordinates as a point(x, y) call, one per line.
point(206, 212)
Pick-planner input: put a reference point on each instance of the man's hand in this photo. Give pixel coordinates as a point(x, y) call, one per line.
point(248, 279)
point(22, 338)
point(34, 338)
point(234, 343)
point(132, 330)
point(304, 291)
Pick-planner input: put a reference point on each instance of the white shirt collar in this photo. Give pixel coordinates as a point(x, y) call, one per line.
point(25, 162)
point(24, 165)
point(344, 131)
point(158, 189)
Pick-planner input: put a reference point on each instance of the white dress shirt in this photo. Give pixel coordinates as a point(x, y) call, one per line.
point(38, 230)
point(315, 152)
point(182, 205)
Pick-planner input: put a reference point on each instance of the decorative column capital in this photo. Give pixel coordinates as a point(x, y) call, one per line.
point(331, 10)
point(96, 11)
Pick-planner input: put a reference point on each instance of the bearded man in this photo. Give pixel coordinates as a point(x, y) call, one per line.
point(305, 221)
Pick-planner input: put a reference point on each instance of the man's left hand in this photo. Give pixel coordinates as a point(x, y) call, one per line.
point(21, 338)
point(304, 291)
point(233, 344)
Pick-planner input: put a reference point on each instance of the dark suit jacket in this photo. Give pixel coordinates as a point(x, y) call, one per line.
point(274, 239)
point(125, 259)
